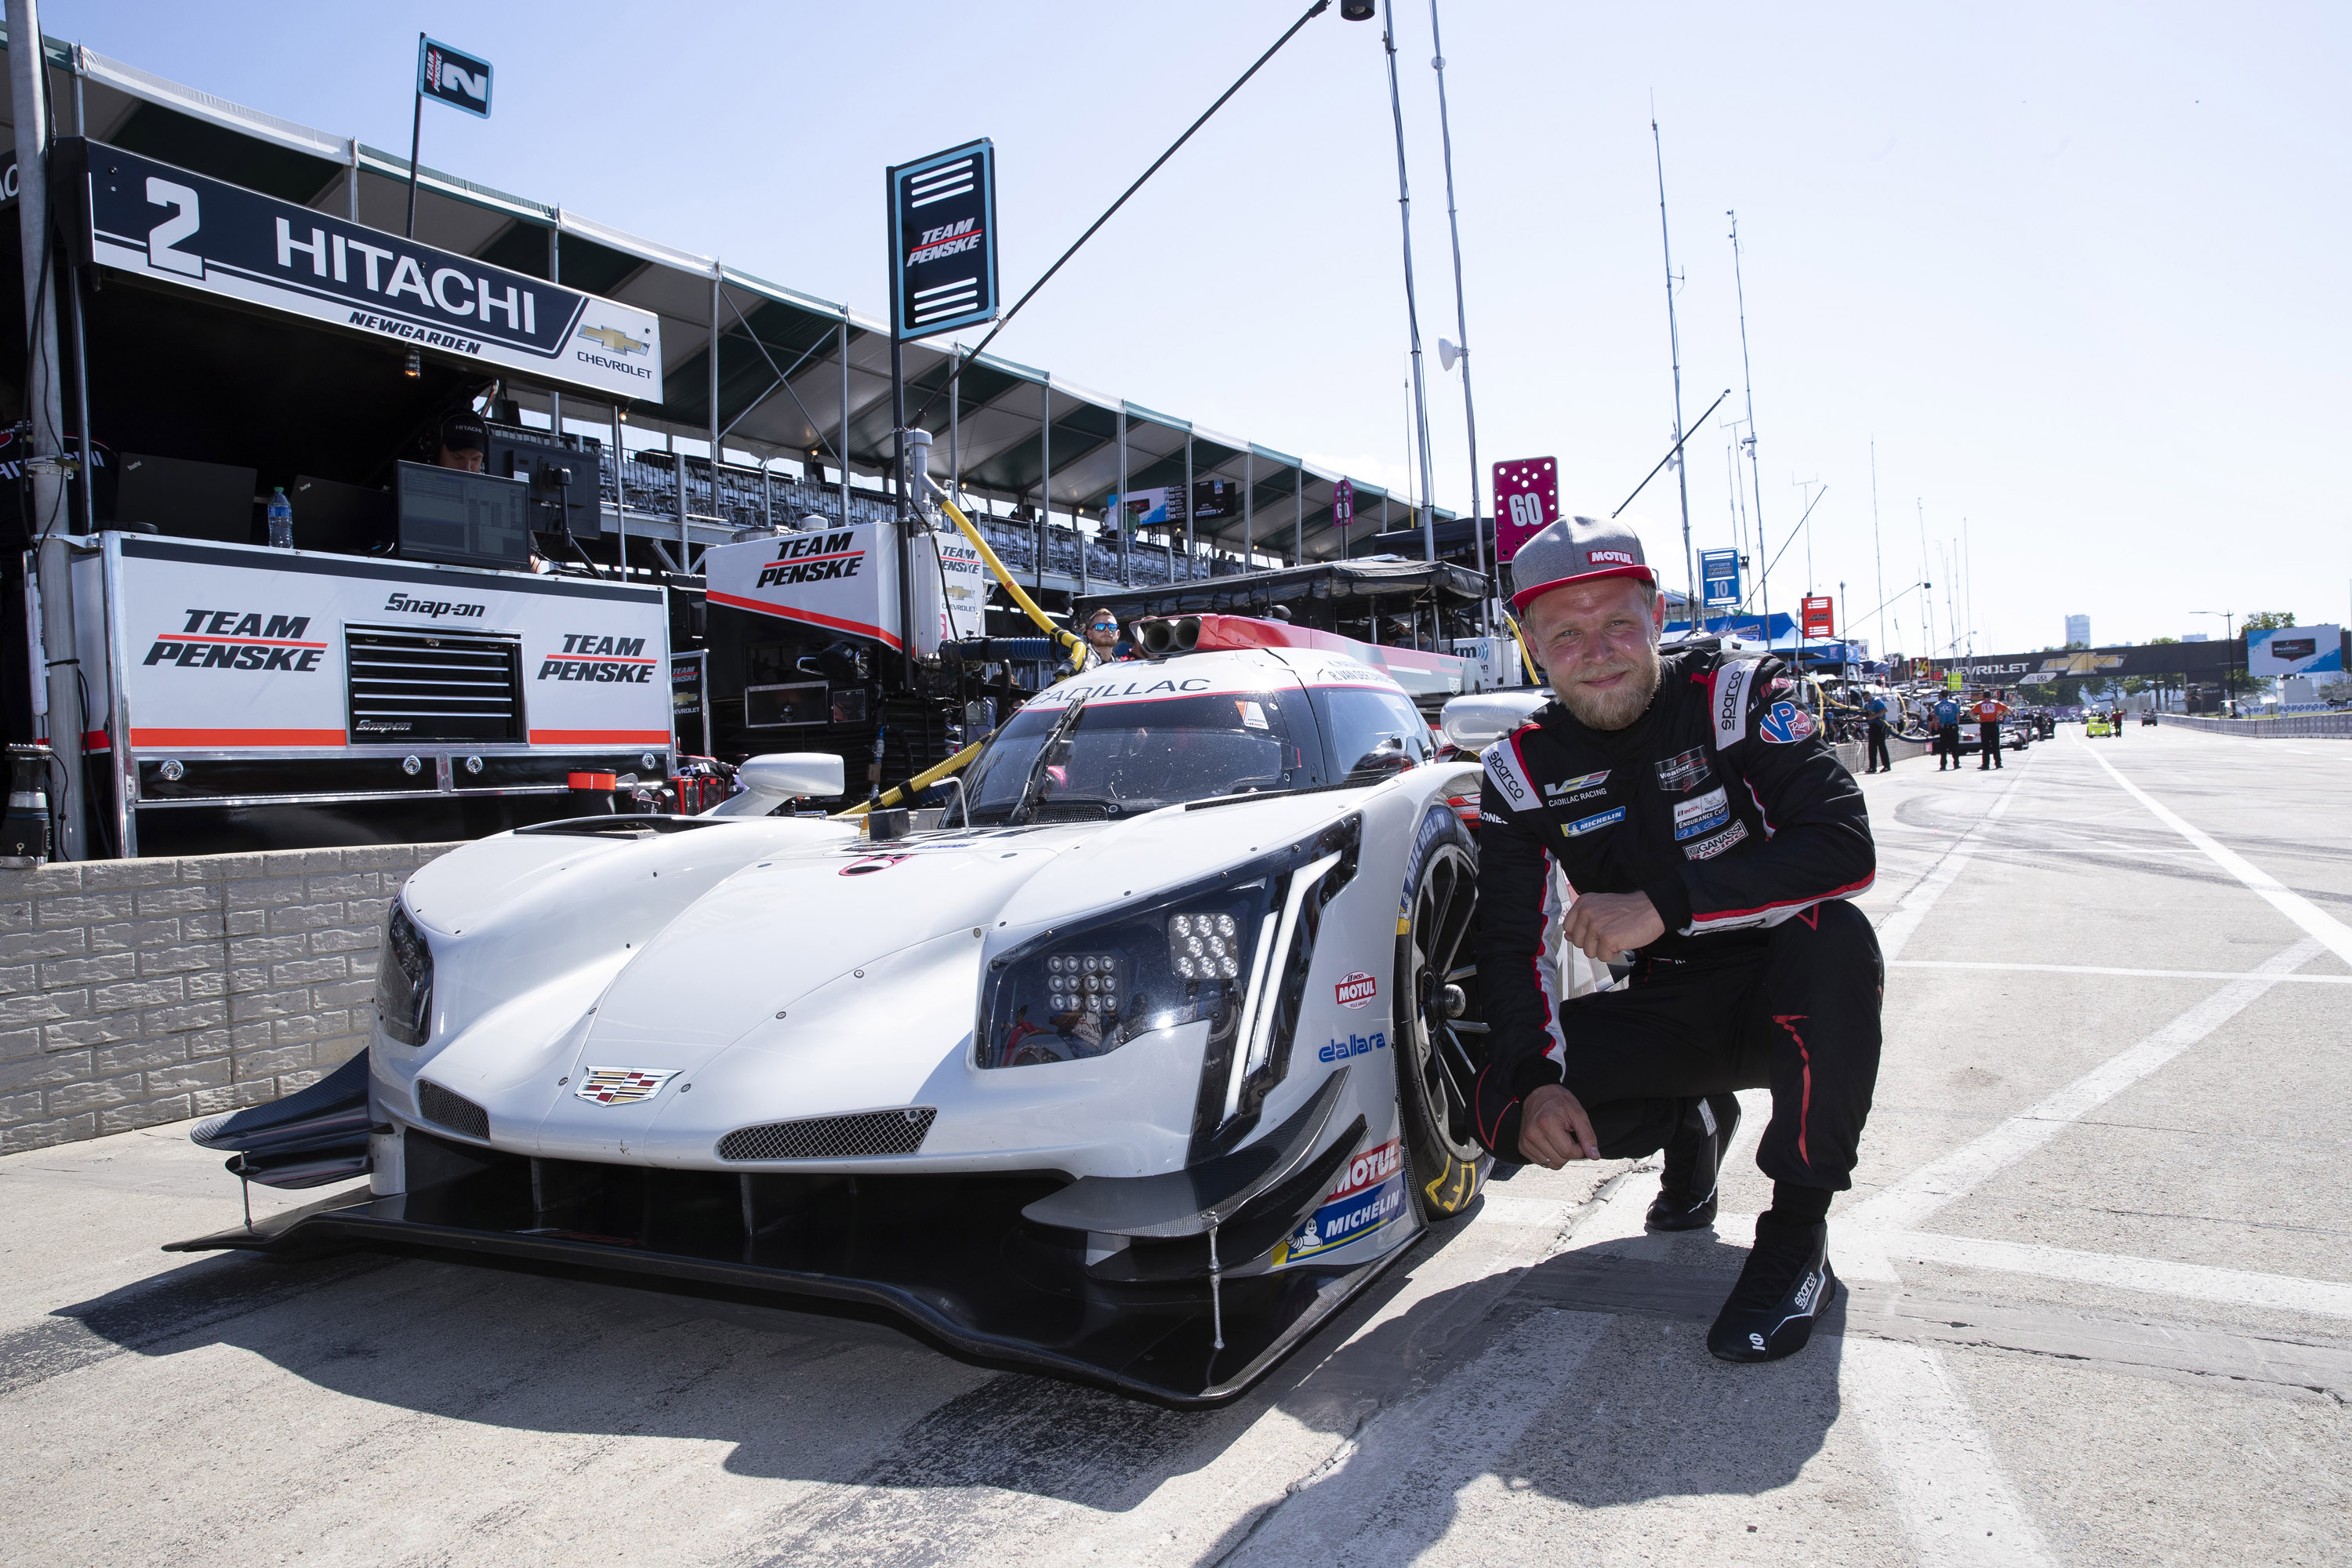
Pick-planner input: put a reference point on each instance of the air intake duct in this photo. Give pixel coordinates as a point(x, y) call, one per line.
point(1162, 638)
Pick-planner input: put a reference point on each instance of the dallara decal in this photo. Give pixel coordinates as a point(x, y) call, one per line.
point(1353, 1045)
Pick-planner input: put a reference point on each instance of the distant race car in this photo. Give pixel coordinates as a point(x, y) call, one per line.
point(2016, 734)
point(1135, 1073)
point(2098, 724)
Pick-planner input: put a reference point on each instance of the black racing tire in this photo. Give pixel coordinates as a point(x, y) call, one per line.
point(1440, 1053)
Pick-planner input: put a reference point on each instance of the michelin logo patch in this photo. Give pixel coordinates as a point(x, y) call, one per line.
point(1708, 849)
point(1335, 1225)
point(1593, 823)
point(1786, 723)
point(1701, 814)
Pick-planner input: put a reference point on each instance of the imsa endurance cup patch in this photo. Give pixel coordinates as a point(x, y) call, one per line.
point(1785, 725)
point(1593, 823)
point(1685, 771)
point(1701, 814)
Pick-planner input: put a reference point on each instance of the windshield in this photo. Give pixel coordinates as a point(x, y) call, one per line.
point(1121, 758)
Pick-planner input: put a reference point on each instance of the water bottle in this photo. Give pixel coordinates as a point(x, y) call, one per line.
point(281, 520)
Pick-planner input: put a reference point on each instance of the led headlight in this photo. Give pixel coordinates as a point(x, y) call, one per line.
point(404, 981)
point(1231, 951)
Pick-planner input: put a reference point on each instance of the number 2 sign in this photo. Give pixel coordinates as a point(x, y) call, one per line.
point(1527, 500)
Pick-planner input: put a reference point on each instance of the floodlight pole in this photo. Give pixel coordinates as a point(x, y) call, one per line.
point(1412, 310)
point(1462, 326)
point(416, 140)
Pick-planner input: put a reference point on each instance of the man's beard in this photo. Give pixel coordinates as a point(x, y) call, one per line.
point(1620, 704)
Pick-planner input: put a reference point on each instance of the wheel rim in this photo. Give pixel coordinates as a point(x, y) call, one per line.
point(1447, 1052)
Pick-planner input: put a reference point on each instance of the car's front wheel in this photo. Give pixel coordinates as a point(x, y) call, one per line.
point(1440, 1022)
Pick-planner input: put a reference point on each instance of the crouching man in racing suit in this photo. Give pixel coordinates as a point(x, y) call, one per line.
point(1704, 829)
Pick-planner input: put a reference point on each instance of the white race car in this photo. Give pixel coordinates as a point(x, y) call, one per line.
point(1134, 1071)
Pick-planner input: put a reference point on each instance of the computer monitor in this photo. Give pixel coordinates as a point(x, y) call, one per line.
point(461, 518)
point(564, 477)
point(346, 520)
point(186, 499)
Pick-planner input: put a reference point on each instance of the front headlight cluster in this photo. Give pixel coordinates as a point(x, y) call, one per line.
point(1205, 946)
point(404, 981)
point(1231, 951)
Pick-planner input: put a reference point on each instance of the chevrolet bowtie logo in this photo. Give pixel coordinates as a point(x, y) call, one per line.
point(613, 338)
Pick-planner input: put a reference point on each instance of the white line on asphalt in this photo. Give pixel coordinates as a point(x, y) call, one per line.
point(2156, 1276)
point(1391, 1494)
point(2293, 905)
point(1956, 1506)
point(1907, 1203)
point(1896, 928)
point(2103, 969)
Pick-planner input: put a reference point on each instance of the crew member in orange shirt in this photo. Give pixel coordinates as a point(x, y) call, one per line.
point(1990, 710)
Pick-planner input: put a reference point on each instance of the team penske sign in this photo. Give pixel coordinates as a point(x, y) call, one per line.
point(173, 226)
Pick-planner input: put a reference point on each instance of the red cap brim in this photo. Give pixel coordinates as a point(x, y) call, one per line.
point(1526, 597)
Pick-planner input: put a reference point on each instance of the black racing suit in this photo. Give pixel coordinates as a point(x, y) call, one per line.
point(1724, 805)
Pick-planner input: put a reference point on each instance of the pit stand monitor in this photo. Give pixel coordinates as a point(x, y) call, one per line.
point(463, 520)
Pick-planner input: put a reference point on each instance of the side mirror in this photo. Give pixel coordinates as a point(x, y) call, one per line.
point(771, 780)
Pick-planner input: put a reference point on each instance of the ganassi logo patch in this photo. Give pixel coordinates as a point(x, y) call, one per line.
point(1786, 723)
point(1708, 849)
point(622, 1085)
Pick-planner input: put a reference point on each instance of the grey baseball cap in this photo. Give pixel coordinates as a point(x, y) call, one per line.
point(1572, 550)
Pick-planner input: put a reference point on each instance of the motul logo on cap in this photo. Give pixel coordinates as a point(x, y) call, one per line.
point(1621, 557)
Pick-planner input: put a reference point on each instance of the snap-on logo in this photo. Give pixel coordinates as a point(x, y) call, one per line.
point(1619, 557)
point(1357, 989)
point(437, 608)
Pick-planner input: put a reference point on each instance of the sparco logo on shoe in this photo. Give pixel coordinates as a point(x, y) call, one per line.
point(238, 639)
point(1806, 1291)
point(1355, 990)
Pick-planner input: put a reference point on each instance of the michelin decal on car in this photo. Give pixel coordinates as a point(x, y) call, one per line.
point(1370, 1194)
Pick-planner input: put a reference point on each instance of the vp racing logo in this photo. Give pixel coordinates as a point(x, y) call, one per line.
point(813, 558)
point(238, 639)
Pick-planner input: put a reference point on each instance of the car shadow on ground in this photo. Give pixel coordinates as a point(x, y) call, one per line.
point(820, 1398)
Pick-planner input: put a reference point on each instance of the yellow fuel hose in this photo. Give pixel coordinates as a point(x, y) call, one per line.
point(1533, 677)
point(913, 787)
point(1045, 622)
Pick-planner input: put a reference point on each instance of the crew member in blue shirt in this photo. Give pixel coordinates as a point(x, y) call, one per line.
point(1875, 711)
point(1948, 732)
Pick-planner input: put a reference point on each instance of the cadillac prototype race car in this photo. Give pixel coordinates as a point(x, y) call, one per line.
point(1137, 1068)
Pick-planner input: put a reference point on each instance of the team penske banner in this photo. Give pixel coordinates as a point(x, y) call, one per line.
point(233, 646)
point(174, 227)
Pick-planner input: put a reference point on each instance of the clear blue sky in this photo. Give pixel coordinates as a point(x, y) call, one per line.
point(2076, 270)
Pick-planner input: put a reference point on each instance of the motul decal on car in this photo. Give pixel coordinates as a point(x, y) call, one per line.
point(1355, 990)
point(1368, 1169)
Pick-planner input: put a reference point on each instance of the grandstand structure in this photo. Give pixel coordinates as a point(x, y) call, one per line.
point(791, 393)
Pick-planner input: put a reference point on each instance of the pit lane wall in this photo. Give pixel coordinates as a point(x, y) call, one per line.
point(139, 991)
point(2285, 727)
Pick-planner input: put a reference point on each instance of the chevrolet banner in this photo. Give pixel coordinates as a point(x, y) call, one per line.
point(173, 226)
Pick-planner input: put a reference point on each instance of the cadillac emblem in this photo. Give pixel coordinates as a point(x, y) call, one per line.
point(621, 1086)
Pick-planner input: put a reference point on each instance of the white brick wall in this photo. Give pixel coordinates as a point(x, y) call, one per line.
point(134, 992)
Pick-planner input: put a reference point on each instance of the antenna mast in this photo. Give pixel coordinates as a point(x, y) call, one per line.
point(1462, 326)
point(1412, 310)
point(1748, 378)
point(1878, 547)
point(1675, 344)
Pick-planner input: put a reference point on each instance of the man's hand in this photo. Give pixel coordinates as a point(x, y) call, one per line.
point(1554, 1130)
point(1607, 924)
